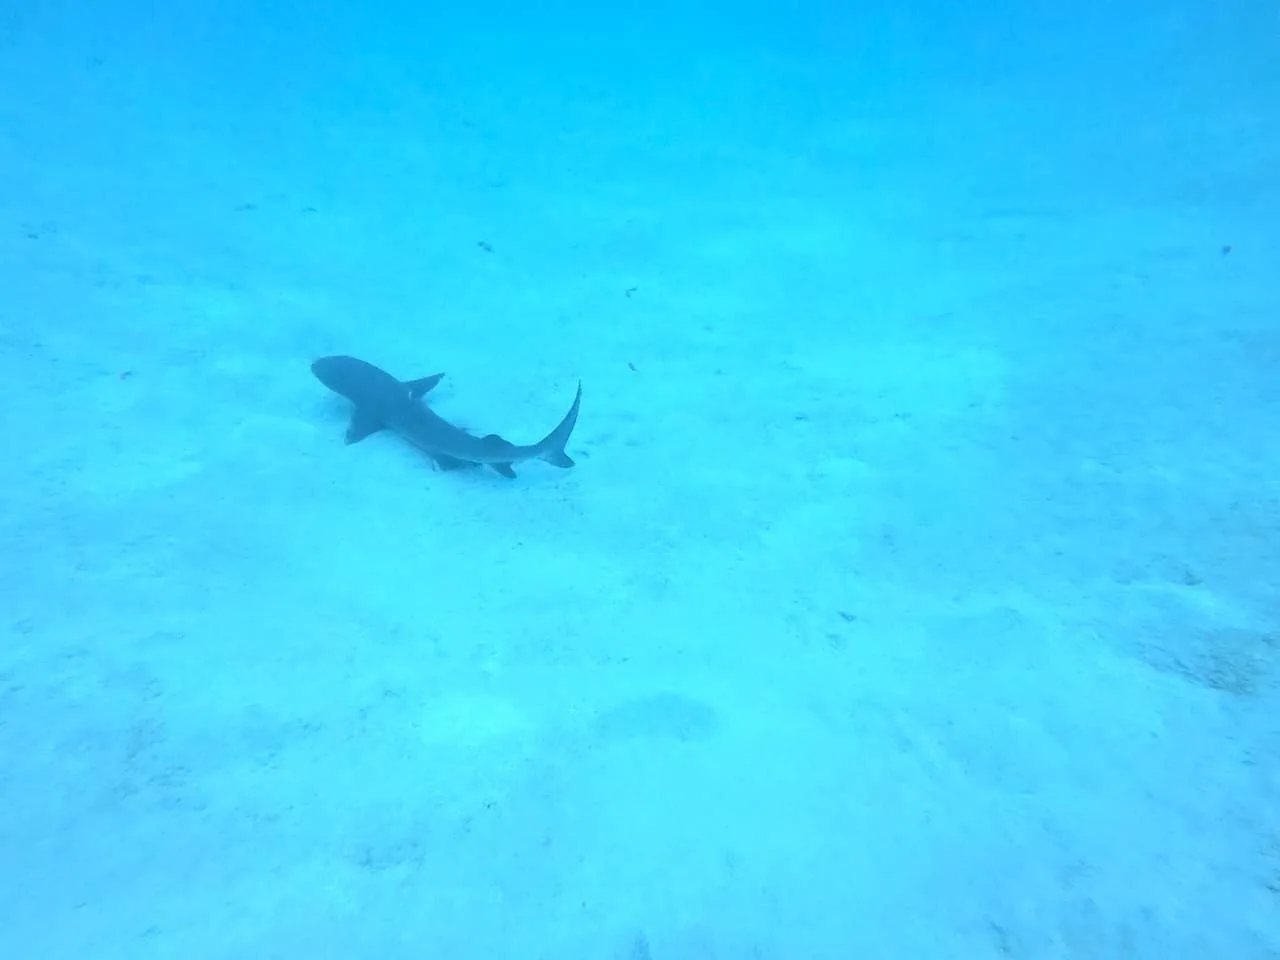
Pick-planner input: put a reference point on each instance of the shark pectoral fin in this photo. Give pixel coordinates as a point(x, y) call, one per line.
point(505, 469)
point(418, 388)
point(363, 424)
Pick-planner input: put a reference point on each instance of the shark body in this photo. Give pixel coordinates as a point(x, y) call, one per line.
point(383, 402)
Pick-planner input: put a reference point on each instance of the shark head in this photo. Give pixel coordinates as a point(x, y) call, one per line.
point(346, 375)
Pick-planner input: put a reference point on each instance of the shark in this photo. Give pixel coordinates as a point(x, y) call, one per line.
point(384, 403)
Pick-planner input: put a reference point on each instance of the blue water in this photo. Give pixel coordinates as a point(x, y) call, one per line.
point(916, 593)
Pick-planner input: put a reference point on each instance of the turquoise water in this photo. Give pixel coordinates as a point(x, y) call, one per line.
point(915, 593)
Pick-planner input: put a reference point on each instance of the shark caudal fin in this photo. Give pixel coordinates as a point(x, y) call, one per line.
point(551, 447)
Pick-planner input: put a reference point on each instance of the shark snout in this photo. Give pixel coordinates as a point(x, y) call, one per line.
point(328, 370)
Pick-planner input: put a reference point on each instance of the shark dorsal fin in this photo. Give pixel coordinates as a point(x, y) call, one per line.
point(418, 388)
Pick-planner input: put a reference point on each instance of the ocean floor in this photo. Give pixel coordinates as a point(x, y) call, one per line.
point(916, 593)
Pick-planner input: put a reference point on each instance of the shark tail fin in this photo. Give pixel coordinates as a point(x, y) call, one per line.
point(551, 447)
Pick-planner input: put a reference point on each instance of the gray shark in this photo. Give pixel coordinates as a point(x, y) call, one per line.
point(383, 402)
